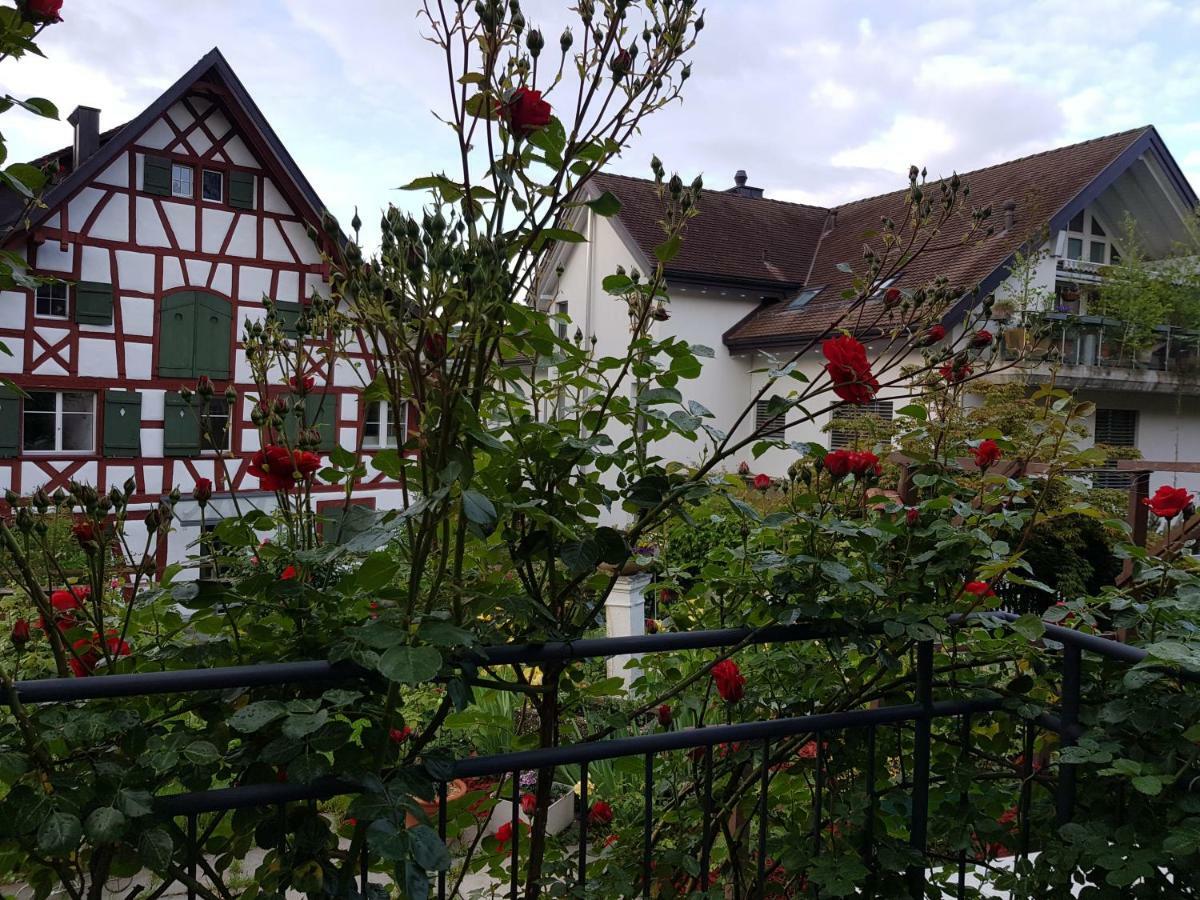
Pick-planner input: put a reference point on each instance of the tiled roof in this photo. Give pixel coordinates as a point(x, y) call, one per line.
point(776, 247)
point(766, 244)
point(1040, 185)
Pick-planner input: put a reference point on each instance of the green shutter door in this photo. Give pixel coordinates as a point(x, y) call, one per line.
point(288, 313)
point(213, 337)
point(122, 423)
point(156, 175)
point(177, 336)
point(321, 412)
point(10, 420)
point(93, 303)
point(181, 428)
point(241, 190)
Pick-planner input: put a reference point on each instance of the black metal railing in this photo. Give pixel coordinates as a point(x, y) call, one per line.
point(1100, 341)
point(919, 714)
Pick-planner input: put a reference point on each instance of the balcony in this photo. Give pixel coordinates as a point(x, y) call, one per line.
point(1094, 352)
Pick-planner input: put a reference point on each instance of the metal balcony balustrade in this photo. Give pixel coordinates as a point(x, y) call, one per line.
point(1087, 340)
point(920, 714)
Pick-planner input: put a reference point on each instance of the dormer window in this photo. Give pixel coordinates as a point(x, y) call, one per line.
point(802, 299)
point(1087, 240)
point(181, 180)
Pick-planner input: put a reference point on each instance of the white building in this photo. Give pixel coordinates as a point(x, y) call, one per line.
point(759, 279)
point(168, 232)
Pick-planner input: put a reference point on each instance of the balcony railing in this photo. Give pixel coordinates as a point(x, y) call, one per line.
point(1084, 340)
point(889, 745)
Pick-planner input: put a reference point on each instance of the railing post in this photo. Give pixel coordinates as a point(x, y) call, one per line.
point(922, 734)
point(1064, 799)
point(1139, 513)
point(625, 615)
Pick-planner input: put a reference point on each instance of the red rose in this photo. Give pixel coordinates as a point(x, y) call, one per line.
point(987, 453)
point(651, 626)
point(912, 515)
point(981, 339)
point(980, 589)
point(837, 463)
point(87, 652)
point(864, 463)
point(932, 335)
point(665, 715)
point(504, 833)
point(65, 603)
point(808, 750)
point(43, 10)
point(762, 482)
point(435, 347)
point(954, 371)
point(743, 468)
point(20, 633)
point(525, 112)
point(892, 296)
point(288, 574)
point(1168, 502)
point(849, 369)
point(273, 467)
point(731, 684)
point(306, 464)
point(400, 735)
point(600, 813)
point(84, 531)
point(204, 386)
point(202, 492)
point(528, 804)
point(302, 385)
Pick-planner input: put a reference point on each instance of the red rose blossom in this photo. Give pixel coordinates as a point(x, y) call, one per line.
point(980, 589)
point(65, 603)
point(87, 652)
point(954, 371)
point(892, 296)
point(863, 463)
point(987, 453)
point(528, 804)
point(288, 574)
point(932, 335)
point(400, 735)
point(306, 464)
point(912, 515)
point(84, 531)
point(982, 338)
point(302, 385)
point(1168, 502)
point(664, 715)
point(43, 10)
point(202, 492)
point(837, 463)
point(849, 369)
point(600, 813)
point(731, 683)
point(273, 467)
point(762, 482)
point(743, 468)
point(20, 633)
point(651, 625)
point(525, 112)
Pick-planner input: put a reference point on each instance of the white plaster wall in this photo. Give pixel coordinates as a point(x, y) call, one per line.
point(1168, 430)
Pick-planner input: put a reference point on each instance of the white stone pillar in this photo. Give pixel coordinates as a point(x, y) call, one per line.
point(625, 615)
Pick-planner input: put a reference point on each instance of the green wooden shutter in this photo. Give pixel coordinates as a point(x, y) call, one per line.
point(122, 423)
point(93, 303)
point(241, 190)
point(288, 314)
point(213, 336)
point(10, 420)
point(156, 175)
point(177, 336)
point(321, 412)
point(181, 428)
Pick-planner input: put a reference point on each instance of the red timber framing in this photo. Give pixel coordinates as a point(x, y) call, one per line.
point(171, 243)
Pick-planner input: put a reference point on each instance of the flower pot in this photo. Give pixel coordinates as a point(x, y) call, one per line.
point(455, 790)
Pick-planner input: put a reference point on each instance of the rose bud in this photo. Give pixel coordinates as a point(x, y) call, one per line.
point(400, 735)
point(528, 804)
point(664, 715)
point(743, 468)
point(981, 339)
point(892, 296)
point(651, 626)
point(912, 515)
point(20, 634)
point(204, 387)
point(932, 335)
point(202, 492)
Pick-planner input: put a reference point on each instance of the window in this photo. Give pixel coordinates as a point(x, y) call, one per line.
point(1115, 428)
point(59, 422)
point(848, 436)
point(51, 300)
point(212, 185)
point(181, 180)
point(1085, 234)
point(765, 424)
point(804, 297)
point(382, 427)
point(560, 309)
point(214, 426)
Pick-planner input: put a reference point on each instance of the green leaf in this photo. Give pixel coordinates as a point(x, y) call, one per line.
point(616, 284)
point(1151, 785)
point(1029, 626)
point(428, 850)
point(410, 665)
point(301, 725)
point(156, 848)
point(479, 509)
point(376, 572)
point(252, 717)
point(416, 882)
point(605, 205)
point(668, 249)
point(104, 826)
point(30, 176)
point(201, 753)
point(561, 234)
point(41, 106)
point(59, 834)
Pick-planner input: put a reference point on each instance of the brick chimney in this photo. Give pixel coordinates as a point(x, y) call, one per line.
point(86, 120)
point(741, 188)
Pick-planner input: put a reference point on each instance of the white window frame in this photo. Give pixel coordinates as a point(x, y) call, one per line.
point(220, 198)
point(388, 438)
point(176, 169)
point(229, 413)
point(37, 298)
point(57, 450)
point(560, 309)
point(1087, 237)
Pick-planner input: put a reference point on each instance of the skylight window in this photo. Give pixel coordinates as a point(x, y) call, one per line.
point(804, 296)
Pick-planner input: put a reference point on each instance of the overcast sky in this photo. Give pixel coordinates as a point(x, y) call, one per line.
point(821, 101)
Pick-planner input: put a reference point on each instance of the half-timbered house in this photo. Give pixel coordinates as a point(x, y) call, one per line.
point(167, 234)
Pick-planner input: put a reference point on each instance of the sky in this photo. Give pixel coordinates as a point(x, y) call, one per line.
point(820, 101)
